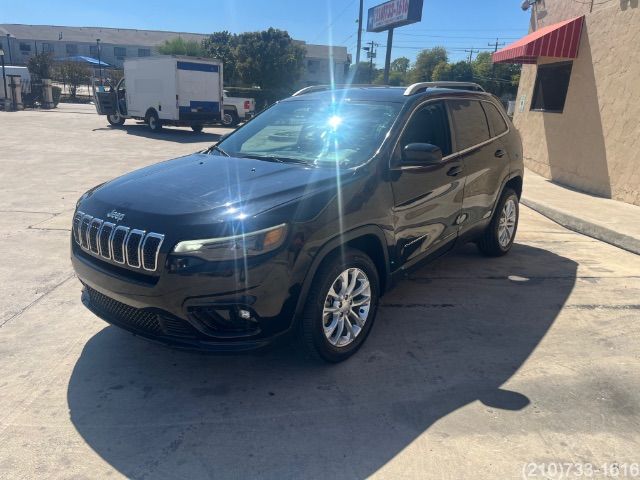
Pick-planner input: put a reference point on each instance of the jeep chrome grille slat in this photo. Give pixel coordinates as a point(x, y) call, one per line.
point(117, 243)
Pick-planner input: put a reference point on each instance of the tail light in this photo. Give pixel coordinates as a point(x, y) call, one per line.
point(247, 104)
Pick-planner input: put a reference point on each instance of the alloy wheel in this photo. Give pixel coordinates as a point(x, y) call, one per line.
point(507, 223)
point(346, 307)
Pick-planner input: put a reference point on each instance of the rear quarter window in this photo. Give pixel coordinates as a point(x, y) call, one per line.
point(469, 123)
point(496, 120)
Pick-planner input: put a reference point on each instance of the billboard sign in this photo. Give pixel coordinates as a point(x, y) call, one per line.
point(394, 13)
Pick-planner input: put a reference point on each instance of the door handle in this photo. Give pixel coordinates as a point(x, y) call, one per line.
point(453, 171)
point(500, 153)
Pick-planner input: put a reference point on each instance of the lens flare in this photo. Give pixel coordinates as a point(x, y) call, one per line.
point(334, 121)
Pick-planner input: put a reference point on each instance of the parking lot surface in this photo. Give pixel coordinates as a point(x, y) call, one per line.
point(476, 367)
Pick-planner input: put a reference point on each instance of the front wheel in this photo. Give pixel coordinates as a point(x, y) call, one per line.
point(341, 306)
point(116, 120)
point(498, 238)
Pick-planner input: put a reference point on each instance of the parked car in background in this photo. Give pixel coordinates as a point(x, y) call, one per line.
point(300, 220)
point(165, 90)
point(237, 109)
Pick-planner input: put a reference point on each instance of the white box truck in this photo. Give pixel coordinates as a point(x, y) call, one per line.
point(165, 90)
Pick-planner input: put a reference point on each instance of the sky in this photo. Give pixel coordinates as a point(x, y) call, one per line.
point(455, 24)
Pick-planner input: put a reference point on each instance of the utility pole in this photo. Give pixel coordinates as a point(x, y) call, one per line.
point(471, 52)
point(495, 49)
point(371, 53)
point(359, 34)
point(496, 45)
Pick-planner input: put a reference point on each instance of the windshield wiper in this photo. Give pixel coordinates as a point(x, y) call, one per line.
point(217, 149)
point(274, 158)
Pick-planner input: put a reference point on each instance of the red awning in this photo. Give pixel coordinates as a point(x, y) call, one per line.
point(557, 40)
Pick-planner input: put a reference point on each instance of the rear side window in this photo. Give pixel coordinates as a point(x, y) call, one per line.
point(496, 121)
point(469, 123)
point(429, 124)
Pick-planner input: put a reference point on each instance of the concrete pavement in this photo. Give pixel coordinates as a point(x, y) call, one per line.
point(475, 367)
point(614, 222)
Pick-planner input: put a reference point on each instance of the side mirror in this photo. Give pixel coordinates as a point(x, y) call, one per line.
point(421, 154)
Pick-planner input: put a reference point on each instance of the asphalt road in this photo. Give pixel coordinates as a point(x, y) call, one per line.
point(476, 367)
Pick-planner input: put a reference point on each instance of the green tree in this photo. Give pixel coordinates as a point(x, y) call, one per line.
point(362, 73)
point(395, 78)
point(461, 72)
point(179, 46)
point(41, 65)
point(401, 65)
point(73, 74)
point(223, 45)
point(426, 62)
point(269, 59)
point(441, 72)
point(501, 79)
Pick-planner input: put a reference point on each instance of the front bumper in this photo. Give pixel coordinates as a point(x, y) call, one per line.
point(192, 310)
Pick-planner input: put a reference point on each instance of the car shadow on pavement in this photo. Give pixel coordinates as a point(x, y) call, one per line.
point(169, 134)
point(452, 333)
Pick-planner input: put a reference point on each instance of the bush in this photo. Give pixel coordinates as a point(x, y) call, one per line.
point(56, 92)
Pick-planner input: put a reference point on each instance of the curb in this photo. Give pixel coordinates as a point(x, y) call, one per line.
point(580, 225)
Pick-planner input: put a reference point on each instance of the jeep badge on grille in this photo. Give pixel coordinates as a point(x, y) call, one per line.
point(115, 215)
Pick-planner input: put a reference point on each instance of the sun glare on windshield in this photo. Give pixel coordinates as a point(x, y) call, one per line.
point(334, 121)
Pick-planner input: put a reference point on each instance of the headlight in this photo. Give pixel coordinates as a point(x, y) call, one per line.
point(237, 246)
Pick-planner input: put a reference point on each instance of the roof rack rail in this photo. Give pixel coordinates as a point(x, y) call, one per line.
point(322, 88)
point(421, 86)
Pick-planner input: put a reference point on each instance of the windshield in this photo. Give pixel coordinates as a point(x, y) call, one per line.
point(314, 132)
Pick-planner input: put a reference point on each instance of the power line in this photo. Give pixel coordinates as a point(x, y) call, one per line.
point(496, 45)
point(334, 21)
point(452, 36)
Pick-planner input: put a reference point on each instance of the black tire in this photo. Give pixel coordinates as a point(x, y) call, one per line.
point(489, 243)
point(115, 120)
point(152, 119)
point(196, 128)
point(230, 118)
point(311, 323)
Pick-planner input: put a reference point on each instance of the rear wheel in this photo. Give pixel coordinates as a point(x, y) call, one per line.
point(154, 121)
point(230, 118)
point(498, 238)
point(196, 128)
point(116, 120)
point(341, 306)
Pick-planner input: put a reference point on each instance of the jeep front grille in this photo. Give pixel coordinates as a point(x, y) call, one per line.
point(117, 243)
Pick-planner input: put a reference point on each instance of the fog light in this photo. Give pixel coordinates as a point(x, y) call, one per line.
point(244, 314)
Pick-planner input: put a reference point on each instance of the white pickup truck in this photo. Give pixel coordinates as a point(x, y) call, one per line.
point(237, 109)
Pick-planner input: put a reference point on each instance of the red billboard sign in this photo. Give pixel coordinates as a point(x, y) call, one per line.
point(394, 13)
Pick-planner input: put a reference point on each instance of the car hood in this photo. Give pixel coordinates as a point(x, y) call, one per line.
point(216, 188)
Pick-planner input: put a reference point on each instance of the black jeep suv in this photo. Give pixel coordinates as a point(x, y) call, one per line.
point(301, 219)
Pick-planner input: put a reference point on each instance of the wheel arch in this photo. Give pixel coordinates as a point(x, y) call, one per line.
point(150, 111)
point(369, 239)
point(515, 183)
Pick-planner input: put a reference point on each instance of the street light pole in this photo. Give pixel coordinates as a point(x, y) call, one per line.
point(99, 61)
point(9, 48)
point(4, 78)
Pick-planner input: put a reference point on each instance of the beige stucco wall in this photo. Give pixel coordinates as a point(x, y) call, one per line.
point(594, 145)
